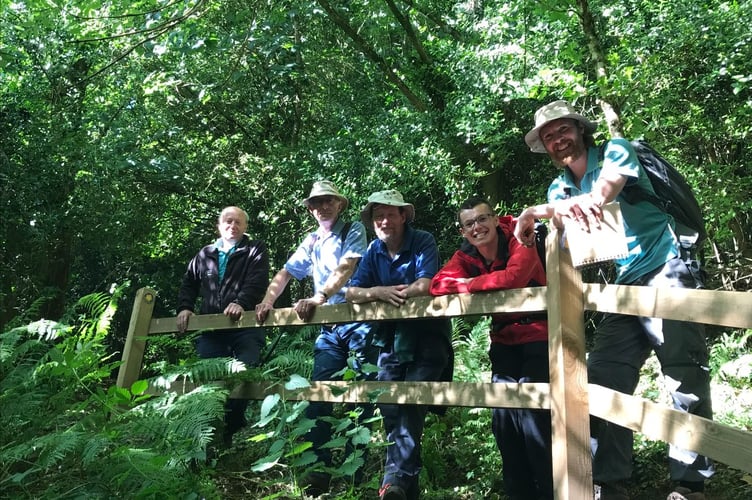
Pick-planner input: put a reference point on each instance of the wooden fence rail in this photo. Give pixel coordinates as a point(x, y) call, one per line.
point(568, 395)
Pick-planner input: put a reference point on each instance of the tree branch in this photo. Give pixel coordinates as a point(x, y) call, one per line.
point(610, 109)
point(363, 46)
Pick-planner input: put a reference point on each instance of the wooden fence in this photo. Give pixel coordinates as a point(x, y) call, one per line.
point(568, 395)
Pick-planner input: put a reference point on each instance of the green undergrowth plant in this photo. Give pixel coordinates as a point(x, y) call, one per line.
point(69, 432)
point(282, 426)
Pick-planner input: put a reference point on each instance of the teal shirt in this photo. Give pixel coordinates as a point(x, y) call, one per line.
point(650, 237)
point(224, 255)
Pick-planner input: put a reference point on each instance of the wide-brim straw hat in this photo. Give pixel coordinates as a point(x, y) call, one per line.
point(325, 188)
point(388, 197)
point(548, 113)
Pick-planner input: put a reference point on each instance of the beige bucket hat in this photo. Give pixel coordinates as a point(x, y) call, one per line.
point(388, 197)
point(548, 113)
point(325, 188)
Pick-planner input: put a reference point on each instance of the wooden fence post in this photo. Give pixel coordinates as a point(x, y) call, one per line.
point(135, 342)
point(570, 419)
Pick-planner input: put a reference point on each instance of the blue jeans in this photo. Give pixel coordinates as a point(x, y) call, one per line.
point(403, 424)
point(334, 345)
point(243, 345)
point(523, 436)
point(622, 345)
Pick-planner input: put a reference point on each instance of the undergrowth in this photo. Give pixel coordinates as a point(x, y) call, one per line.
point(69, 432)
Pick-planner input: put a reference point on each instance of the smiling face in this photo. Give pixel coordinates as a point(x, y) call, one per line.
point(478, 225)
point(388, 224)
point(563, 141)
point(232, 224)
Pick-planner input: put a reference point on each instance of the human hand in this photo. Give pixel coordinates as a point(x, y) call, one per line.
point(262, 311)
point(395, 295)
point(234, 311)
point(524, 230)
point(182, 320)
point(305, 308)
point(582, 209)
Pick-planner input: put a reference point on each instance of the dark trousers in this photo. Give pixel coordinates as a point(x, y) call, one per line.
point(523, 436)
point(334, 346)
point(243, 345)
point(622, 345)
point(403, 424)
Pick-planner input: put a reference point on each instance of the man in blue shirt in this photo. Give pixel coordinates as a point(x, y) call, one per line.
point(623, 343)
point(330, 255)
point(399, 264)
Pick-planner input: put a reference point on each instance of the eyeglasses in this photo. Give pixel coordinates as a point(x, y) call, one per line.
point(481, 219)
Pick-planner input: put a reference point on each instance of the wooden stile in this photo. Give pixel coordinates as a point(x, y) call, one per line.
point(568, 396)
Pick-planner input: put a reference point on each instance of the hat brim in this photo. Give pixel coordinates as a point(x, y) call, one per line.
point(365, 214)
point(533, 140)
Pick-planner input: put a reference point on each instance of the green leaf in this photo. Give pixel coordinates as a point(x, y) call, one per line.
point(139, 387)
point(296, 382)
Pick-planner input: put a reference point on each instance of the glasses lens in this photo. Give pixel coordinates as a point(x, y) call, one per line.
point(481, 219)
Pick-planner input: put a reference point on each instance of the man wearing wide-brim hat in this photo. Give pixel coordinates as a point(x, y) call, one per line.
point(398, 265)
point(330, 255)
point(591, 177)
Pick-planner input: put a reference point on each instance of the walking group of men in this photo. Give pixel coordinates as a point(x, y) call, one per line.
point(498, 252)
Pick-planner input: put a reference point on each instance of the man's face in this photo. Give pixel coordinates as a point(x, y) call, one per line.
point(562, 139)
point(325, 208)
point(388, 223)
point(478, 225)
point(232, 224)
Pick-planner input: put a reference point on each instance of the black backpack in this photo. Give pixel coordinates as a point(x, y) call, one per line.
point(674, 196)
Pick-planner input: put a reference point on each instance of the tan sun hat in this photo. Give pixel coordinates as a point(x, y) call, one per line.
point(548, 113)
point(389, 197)
point(325, 188)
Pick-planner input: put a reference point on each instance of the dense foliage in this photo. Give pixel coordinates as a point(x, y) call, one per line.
point(127, 126)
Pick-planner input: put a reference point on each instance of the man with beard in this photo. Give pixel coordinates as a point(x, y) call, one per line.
point(590, 178)
point(491, 258)
point(330, 255)
point(399, 264)
point(230, 276)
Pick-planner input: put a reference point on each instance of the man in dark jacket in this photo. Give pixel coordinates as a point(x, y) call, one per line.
point(491, 258)
point(230, 276)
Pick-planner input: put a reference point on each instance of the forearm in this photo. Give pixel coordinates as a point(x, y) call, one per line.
point(277, 286)
point(542, 211)
point(419, 287)
point(339, 277)
point(357, 295)
point(607, 188)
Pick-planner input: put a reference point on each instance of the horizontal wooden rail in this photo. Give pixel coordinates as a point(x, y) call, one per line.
point(656, 421)
point(467, 394)
point(521, 300)
point(720, 442)
point(732, 309)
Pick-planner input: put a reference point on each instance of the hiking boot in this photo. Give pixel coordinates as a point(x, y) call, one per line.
point(610, 491)
point(316, 483)
point(392, 492)
point(682, 493)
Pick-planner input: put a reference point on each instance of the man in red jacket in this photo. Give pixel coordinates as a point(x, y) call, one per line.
point(491, 258)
